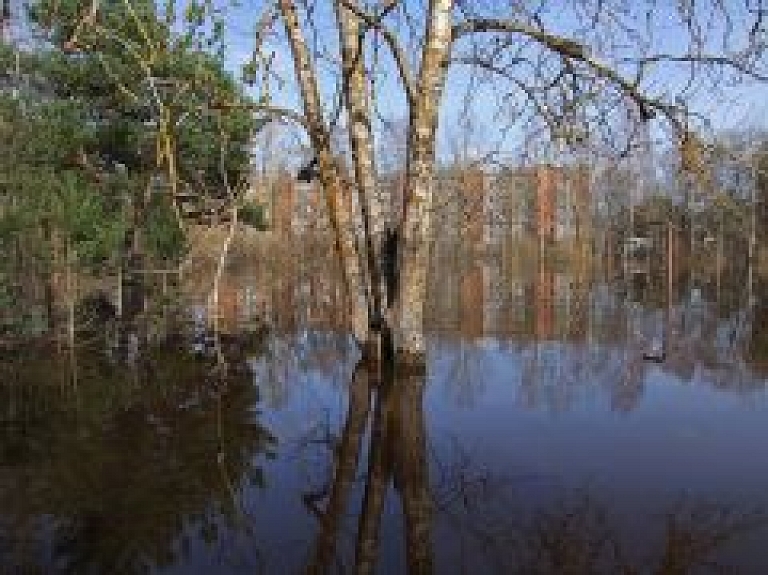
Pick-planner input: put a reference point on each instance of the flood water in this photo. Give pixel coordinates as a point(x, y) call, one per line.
point(569, 421)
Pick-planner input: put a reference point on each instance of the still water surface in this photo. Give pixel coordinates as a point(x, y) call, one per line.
point(540, 440)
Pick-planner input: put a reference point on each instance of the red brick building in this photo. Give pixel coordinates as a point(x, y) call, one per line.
point(563, 202)
point(546, 202)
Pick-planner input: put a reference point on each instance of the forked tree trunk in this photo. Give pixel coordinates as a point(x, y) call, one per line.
point(417, 225)
point(341, 219)
point(406, 313)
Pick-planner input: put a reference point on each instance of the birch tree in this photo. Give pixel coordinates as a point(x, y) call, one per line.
point(588, 73)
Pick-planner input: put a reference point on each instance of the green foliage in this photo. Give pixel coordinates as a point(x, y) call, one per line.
point(95, 231)
point(79, 132)
point(252, 214)
point(130, 62)
point(17, 317)
point(83, 112)
point(164, 240)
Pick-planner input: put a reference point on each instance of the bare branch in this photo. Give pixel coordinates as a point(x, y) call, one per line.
point(559, 44)
point(573, 50)
point(267, 109)
point(401, 60)
point(89, 17)
point(723, 61)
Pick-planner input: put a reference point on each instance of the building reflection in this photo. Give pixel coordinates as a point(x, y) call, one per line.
point(568, 326)
point(527, 272)
point(571, 330)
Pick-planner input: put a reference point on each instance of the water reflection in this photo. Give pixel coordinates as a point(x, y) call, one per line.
point(540, 439)
point(136, 469)
point(456, 514)
point(578, 534)
point(562, 336)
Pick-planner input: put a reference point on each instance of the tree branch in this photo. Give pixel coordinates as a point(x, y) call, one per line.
point(559, 44)
point(571, 50)
point(724, 61)
point(268, 109)
point(401, 60)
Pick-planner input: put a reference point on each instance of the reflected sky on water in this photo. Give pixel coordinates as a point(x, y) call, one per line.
point(541, 439)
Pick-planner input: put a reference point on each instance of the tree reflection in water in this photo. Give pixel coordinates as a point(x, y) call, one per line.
point(149, 465)
point(490, 525)
point(396, 456)
point(470, 520)
point(138, 468)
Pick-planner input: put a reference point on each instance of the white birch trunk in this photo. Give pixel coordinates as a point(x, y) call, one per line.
point(356, 95)
point(339, 214)
point(417, 225)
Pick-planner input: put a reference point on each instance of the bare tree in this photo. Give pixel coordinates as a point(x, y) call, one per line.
point(581, 73)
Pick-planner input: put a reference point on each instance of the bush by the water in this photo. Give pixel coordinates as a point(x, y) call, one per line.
point(253, 215)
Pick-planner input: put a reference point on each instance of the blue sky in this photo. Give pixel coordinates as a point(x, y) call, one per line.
point(739, 107)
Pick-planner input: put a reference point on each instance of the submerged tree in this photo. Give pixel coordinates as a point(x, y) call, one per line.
point(582, 74)
point(587, 74)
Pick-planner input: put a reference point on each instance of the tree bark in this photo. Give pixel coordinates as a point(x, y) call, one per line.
point(355, 90)
point(340, 217)
point(417, 224)
point(49, 272)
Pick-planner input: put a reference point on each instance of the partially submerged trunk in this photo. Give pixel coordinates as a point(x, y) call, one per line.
point(341, 219)
point(416, 229)
point(361, 140)
point(405, 312)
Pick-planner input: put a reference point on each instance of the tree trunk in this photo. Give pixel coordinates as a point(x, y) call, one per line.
point(5, 21)
point(49, 271)
point(330, 178)
point(361, 139)
point(416, 229)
